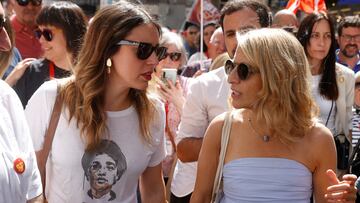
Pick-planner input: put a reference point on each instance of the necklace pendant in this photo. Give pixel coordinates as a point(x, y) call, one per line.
point(266, 138)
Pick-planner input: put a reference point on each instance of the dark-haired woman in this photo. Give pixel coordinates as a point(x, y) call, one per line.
point(62, 26)
point(106, 99)
point(332, 83)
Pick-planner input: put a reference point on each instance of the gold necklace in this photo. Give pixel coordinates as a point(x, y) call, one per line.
point(265, 138)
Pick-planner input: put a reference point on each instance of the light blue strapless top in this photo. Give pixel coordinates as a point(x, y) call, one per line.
point(276, 180)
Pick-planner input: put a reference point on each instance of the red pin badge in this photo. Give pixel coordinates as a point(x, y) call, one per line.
point(19, 166)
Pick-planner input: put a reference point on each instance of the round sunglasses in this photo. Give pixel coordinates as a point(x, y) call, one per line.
point(174, 56)
point(46, 33)
point(26, 2)
point(243, 70)
point(145, 50)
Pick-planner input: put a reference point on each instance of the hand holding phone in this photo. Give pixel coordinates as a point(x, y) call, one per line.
point(169, 74)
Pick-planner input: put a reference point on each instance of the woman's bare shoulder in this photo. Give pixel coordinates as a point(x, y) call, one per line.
point(320, 137)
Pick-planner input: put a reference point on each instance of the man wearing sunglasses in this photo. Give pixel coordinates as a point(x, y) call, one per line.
point(23, 22)
point(208, 95)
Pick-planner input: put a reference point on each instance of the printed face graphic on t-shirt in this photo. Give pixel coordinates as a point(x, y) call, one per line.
point(102, 172)
point(103, 168)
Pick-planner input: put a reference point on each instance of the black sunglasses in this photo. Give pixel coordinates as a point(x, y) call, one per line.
point(242, 69)
point(26, 2)
point(2, 22)
point(145, 50)
point(48, 34)
point(174, 56)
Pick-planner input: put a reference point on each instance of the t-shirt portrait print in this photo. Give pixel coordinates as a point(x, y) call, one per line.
point(103, 168)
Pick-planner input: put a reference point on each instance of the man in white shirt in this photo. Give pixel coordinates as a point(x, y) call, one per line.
point(20, 179)
point(208, 95)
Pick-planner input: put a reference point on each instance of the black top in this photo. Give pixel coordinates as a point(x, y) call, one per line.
point(34, 76)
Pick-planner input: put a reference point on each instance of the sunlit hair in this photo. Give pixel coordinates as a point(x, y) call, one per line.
point(285, 100)
point(328, 86)
point(84, 95)
point(171, 38)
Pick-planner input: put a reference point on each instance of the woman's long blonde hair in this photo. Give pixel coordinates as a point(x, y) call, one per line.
point(84, 94)
point(285, 101)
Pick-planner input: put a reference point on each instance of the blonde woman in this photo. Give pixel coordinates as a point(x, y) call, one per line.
point(110, 134)
point(277, 151)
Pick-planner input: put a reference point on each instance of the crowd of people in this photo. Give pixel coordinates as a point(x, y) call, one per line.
point(269, 106)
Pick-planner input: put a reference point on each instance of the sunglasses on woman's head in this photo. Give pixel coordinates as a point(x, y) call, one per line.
point(174, 56)
point(46, 33)
point(145, 50)
point(243, 70)
point(26, 2)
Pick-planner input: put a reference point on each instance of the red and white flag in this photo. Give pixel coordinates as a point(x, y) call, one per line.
point(308, 6)
point(210, 12)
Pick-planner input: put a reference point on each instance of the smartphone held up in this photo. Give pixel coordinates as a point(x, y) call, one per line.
point(168, 74)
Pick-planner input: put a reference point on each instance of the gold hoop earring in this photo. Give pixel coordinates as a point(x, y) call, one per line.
point(108, 65)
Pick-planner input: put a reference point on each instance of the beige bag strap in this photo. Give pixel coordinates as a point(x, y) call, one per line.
point(224, 142)
point(43, 154)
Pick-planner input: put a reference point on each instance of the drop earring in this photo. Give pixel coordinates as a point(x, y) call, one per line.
point(108, 65)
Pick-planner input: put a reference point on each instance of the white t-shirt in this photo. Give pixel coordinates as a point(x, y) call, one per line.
point(207, 97)
point(324, 105)
point(121, 158)
point(15, 143)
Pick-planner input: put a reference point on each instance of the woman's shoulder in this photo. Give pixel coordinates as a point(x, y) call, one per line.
point(319, 135)
point(341, 69)
point(236, 115)
point(46, 93)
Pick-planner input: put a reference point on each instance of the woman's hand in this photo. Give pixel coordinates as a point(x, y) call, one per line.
point(341, 191)
point(172, 93)
point(18, 71)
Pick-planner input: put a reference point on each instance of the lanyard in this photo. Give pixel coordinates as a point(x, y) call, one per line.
point(51, 70)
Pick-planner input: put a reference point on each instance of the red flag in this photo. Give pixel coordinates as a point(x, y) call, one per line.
point(308, 6)
point(211, 13)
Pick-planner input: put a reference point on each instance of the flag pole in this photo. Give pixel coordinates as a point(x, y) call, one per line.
point(201, 33)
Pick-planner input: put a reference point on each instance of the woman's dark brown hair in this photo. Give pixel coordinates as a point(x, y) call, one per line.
point(328, 86)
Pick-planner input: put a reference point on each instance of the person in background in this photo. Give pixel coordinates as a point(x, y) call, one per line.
point(208, 29)
point(208, 95)
point(216, 44)
point(356, 112)
point(277, 151)
point(215, 48)
point(14, 54)
point(348, 53)
point(20, 179)
point(332, 83)
point(285, 19)
point(62, 26)
point(190, 33)
point(173, 95)
point(24, 23)
point(106, 99)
